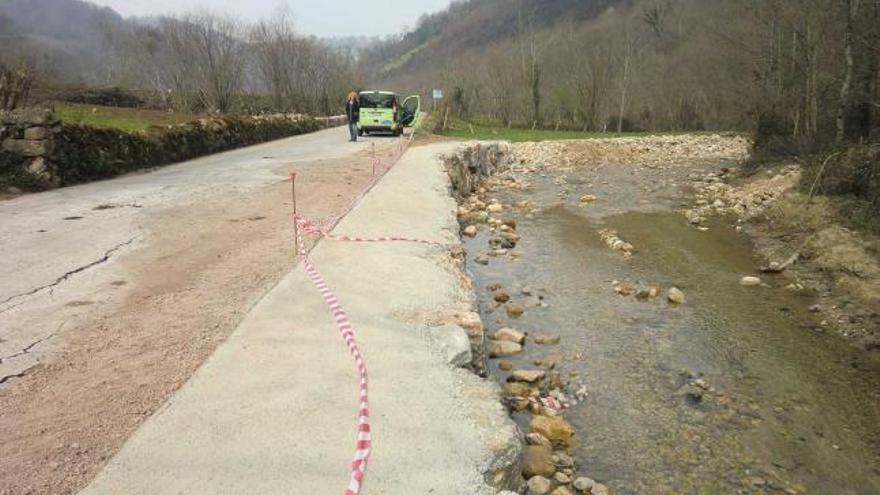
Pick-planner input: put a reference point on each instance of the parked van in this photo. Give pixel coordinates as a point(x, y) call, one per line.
point(382, 111)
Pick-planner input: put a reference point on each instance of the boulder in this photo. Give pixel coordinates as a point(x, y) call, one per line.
point(555, 428)
point(510, 335)
point(453, 342)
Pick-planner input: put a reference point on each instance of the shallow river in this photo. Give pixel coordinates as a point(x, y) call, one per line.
point(786, 406)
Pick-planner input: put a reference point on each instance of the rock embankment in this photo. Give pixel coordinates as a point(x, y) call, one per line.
point(541, 392)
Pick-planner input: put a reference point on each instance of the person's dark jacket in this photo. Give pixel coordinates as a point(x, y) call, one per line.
point(353, 111)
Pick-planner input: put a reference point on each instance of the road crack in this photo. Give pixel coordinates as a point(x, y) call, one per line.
point(51, 286)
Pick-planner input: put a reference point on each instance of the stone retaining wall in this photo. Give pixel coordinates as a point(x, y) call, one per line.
point(38, 151)
point(28, 138)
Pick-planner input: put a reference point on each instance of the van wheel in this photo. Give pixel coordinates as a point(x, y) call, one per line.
point(360, 132)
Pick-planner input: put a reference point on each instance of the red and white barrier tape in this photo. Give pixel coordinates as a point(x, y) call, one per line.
point(346, 331)
point(343, 323)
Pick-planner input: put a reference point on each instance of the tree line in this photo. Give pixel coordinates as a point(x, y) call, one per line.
point(803, 69)
point(205, 61)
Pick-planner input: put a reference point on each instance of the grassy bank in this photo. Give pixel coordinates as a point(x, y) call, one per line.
point(117, 118)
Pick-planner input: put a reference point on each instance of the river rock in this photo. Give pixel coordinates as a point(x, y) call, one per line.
point(502, 348)
point(470, 231)
point(562, 490)
point(501, 296)
point(538, 461)
point(516, 389)
point(750, 281)
point(561, 478)
point(505, 365)
point(510, 335)
point(648, 293)
point(515, 310)
point(509, 222)
point(495, 208)
point(539, 485)
point(537, 439)
point(548, 339)
point(528, 376)
point(563, 460)
point(588, 198)
point(676, 296)
point(583, 484)
point(482, 259)
point(600, 489)
point(555, 429)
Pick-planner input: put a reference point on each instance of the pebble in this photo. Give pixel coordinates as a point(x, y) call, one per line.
point(482, 259)
point(548, 339)
point(470, 231)
point(750, 281)
point(505, 365)
point(501, 296)
point(676, 296)
point(563, 460)
point(515, 310)
point(503, 348)
point(495, 208)
point(562, 490)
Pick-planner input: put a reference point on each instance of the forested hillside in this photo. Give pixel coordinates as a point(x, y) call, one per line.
point(793, 65)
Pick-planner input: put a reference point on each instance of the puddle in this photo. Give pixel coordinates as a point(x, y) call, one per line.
point(736, 391)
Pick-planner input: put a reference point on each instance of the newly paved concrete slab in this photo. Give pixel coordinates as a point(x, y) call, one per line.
point(274, 409)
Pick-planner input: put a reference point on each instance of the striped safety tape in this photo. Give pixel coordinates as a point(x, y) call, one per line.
point(343, 323)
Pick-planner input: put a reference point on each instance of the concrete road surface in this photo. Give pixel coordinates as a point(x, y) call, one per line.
point(273, 411)
point(60, 245)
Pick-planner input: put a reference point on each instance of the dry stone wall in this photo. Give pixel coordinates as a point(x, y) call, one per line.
point(37, 151)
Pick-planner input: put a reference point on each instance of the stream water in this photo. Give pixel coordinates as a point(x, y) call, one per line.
point(782, 407)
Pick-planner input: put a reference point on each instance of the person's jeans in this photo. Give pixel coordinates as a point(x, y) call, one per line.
point(353, 130)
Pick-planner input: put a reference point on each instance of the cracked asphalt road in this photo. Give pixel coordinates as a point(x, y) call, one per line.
point(113, 293)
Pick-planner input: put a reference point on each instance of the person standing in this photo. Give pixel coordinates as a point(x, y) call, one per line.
point(353, 112)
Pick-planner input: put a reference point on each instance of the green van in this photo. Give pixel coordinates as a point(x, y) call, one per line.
point(381, 111)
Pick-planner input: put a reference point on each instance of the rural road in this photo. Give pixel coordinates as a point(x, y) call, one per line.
point(114, 293)
point(44, 237)
point(274, 409)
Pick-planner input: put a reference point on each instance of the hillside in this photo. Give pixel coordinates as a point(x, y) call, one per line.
point(469, 25)
point(64, 36)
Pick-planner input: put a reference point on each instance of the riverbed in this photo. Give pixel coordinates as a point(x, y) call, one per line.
point(738, 390)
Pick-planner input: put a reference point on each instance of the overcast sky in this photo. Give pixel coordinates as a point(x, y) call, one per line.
point(318, 17)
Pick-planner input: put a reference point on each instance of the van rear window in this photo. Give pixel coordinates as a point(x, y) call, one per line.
point(376, 100)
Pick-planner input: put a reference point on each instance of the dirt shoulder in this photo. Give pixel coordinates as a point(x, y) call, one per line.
point(199, 270)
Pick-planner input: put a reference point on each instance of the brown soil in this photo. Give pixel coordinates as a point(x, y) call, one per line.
point(201, 271)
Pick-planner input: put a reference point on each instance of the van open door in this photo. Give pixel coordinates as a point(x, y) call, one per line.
point(409, 110)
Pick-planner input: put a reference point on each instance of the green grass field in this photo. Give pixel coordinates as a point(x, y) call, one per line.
point(466, 130)
point(123, 119)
